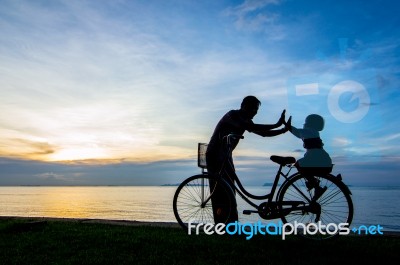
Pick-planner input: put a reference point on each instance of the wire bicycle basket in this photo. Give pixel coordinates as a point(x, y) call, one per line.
point(201, 156)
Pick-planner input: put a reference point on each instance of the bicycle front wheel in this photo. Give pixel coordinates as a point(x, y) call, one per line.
point(320, 218)
point(193, 201)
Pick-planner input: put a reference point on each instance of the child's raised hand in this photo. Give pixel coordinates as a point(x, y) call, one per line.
point(288, 124)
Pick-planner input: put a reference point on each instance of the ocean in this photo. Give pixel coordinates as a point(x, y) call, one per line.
point(373, 205)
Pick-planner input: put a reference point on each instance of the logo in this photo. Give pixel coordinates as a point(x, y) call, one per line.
point(280, 229)
point(346, 96)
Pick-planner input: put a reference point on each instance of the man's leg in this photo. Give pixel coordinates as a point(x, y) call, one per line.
point(233, 217)
point(223, 201)
point(220, 202)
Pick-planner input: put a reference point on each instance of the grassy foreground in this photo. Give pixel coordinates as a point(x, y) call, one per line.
point(61, 242)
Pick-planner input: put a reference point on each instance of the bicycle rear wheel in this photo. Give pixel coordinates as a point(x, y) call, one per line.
point(193, 200)
point(330, 211)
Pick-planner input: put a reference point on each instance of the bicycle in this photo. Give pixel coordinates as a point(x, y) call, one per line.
point(292, 201)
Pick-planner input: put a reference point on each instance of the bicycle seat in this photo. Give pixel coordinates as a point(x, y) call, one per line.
point(283, 160)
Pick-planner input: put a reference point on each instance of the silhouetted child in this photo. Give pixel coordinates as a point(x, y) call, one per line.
point(316, 160)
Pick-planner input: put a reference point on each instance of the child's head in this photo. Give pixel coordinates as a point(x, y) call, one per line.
point(314, 121)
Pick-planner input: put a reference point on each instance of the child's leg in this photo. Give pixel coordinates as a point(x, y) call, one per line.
point(311, 181)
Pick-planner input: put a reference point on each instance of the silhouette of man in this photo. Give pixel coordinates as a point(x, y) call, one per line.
point(233, 122)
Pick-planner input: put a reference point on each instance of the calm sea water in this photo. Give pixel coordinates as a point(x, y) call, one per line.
point(373, 205)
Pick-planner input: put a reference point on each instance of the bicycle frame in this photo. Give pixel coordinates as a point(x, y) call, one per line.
point(243, 193)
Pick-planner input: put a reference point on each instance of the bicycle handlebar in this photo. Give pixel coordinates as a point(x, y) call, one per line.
point(232, 135)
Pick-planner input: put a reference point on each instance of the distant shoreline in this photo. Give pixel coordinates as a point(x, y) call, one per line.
point(93, 221)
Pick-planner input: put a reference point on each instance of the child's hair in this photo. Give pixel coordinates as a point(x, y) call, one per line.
point(314, 121)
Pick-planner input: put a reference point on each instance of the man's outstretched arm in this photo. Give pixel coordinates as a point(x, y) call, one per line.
point(270, 133)
point(261, 128)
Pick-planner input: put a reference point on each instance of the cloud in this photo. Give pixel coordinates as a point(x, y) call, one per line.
point(298, 151)
point(19, 147)
point(253, 16)
point(390, 137)
point(39, 148)
point(341, 142)
point(50, 176)
point(28, 172)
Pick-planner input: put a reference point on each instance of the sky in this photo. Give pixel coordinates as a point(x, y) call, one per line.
point(120, 92)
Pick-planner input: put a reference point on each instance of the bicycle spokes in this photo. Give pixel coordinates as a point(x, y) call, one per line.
point(327, 203)
point(193, 201)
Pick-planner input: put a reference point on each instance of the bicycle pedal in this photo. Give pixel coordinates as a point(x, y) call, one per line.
point(248, 212)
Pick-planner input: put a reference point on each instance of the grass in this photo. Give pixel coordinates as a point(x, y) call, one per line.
point(60, 242)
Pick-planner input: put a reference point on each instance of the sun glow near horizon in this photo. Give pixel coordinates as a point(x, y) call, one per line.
point(67, 140)
point(100, 151)
point(106, 130)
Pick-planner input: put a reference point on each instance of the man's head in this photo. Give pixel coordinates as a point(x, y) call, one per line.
point(250, 105)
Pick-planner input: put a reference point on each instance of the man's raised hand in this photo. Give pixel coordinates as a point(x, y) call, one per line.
point(282, 118)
